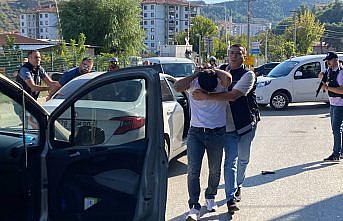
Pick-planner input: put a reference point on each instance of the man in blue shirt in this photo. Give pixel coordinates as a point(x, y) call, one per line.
point(85, 67)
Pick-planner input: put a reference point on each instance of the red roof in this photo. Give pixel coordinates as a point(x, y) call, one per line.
point(42, 10)
point(18, 39)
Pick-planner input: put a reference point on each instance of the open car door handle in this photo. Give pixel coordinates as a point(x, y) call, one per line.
point(73, 154)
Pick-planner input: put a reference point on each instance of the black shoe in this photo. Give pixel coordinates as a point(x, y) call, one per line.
point(238, 196)
point(333, 158)
point(232, 206)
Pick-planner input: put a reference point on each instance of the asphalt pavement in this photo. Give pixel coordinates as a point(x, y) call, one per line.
point(293, 143)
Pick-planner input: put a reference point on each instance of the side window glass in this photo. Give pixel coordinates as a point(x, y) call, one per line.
point(166, 93)
point(177, 94)
point(307, 71)
point(11, 117)
point(112, 114)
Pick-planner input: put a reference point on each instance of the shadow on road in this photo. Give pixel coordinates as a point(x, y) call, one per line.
point(176, 168)
point(295, 110)
point(282, 173)
point(329, 209)
point(203, 211)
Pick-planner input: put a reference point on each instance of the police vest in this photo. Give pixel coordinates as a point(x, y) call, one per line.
point(36, 74)
point(244, 110)
point(332, 79)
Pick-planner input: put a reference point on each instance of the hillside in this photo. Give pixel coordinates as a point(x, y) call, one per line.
point(11, 9)
point(271, 10)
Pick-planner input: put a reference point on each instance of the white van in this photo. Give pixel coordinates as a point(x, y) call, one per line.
point(176, 67)
point(294, 80)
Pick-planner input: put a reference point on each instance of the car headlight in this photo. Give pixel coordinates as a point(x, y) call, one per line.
point(263, 83)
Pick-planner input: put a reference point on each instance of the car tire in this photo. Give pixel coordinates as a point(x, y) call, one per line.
point(279, 101)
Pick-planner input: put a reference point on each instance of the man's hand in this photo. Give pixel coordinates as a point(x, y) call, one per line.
point(321, 75)
point(199, 95)
point(325, 86)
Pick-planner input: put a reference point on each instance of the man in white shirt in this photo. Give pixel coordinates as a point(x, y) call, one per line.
point(207, 132)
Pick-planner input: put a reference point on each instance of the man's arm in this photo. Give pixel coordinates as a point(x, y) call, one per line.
point(226, 96)
point(224, 76)
point(184, 83)
point(34, 87)
point(337, 90)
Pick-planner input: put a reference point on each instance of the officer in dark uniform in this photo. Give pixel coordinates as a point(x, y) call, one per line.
point(31, 74)
point(334, 87)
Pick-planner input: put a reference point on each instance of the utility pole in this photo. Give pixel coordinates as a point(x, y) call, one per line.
point(266, 41)
point(295, 29)
point(248, 13)
point(225, 24)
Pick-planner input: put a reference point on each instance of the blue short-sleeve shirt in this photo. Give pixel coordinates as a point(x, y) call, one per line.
point(69, 75)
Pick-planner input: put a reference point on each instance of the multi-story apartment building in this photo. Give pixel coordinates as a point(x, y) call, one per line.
point(163, 19)
point(40, 24)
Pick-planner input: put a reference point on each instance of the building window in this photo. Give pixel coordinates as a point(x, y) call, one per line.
point(152, 22)
point(22, 24)
point(40, 15)
point(152, 14)
point(22, 30)
point(41, 37)
point(46, 29)
point(46, 23)
point(152, 37)
point(145, 22)
point(152, 45)
point(186, 30)
point(186, 9)
point(40, 23)
point(186, 15)
point(41, 30)
point(177, 7)
point(186, 23)
point(145, 7)
point(46, 15)
point(145, 29)
point(22, 16)
point(177, 22)
point(177, 15)
point(145, 15)
point(177, 30)
point(152, 7)
point(152, 30)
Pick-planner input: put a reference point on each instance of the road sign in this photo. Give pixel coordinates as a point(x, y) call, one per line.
point(250, 60)
point(255, 51)
point(255, 47)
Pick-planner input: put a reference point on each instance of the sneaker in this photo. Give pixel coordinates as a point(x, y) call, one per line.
point(238, 195)
point(193, 215)
point(332, 157)
point(211, 205)
point(232, 206)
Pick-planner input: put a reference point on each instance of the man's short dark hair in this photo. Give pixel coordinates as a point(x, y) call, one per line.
point(87, 59)
point(244, 50)
point(208, 80)
point(31, 52)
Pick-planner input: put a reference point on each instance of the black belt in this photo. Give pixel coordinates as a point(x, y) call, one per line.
point(205, 129)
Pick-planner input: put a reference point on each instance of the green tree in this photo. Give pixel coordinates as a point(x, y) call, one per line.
point(112, 24)
point(309, 31)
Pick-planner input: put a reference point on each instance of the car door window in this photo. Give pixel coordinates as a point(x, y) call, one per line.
point(112, 114)
point(166, 93)
point(176, 94)
point(309, 70)
point(11, 117)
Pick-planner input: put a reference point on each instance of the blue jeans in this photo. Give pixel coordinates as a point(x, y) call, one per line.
point(237, 155)
point(199, 140)
point(336, 113)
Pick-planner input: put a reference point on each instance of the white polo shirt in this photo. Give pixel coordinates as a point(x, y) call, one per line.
point(207, 113)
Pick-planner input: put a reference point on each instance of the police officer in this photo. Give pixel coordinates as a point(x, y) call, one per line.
point(31, 75)
point(212, 61)
point(334, 87)
point(113, 65)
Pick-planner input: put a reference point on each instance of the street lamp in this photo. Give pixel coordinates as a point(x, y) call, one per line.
point(199, 48)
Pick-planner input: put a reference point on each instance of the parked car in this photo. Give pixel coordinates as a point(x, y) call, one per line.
point(294, 80)
point(49, 172)
point(124, 105)
point(173, 66)
point(264, 69)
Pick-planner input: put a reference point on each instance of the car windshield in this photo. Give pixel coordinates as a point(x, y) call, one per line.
point(282, 69)
point(179, 69)
point(69, 88)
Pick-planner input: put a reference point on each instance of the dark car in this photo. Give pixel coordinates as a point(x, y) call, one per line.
point(264, 70)
point(49, 172)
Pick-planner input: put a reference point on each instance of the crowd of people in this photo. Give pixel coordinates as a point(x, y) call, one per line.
point(224, 117)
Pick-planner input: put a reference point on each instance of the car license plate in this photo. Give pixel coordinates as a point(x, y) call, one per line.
point(78, 123)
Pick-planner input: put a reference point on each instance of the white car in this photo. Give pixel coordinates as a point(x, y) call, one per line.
point(294, 80)
point(117, 111)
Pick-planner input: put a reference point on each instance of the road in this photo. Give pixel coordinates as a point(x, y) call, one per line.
point(292, 143)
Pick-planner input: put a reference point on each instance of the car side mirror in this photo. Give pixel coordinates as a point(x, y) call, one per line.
point(298, 74)
point(87, 135)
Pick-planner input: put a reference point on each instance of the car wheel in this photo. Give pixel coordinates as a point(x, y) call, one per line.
point(279, 101)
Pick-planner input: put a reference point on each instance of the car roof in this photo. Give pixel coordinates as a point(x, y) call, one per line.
point(166, 60)
point(311, 57)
